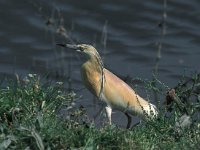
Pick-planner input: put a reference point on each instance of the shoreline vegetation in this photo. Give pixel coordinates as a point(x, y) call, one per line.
point(29, 119)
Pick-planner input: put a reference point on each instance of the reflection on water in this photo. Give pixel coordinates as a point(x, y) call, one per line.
point(131, 29)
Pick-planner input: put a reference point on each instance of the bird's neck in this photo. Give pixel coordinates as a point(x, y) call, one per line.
point(93, 65)
point(92, 73)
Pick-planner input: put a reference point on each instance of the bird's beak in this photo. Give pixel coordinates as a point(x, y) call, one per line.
point(71, 46)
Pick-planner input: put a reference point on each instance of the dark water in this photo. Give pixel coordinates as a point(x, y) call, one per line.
point(126, 33)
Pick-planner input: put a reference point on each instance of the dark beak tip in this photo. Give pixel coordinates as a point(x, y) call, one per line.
point(72, 46)
point(59, 44)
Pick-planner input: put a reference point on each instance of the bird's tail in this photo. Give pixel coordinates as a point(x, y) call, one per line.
point(150, 111)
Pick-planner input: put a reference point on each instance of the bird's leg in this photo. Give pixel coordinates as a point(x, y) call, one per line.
point(129, 120)
point(109, 112)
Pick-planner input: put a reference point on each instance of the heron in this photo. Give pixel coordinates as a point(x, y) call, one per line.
point(107, 87)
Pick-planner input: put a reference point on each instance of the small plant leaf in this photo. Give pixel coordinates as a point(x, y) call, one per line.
point(5, 144)
point(38, 139)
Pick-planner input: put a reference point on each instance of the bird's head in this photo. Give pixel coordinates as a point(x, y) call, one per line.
point(85, 49)
point(89, 52)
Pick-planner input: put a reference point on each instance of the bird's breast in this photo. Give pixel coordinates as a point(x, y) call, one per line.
point(91, 79)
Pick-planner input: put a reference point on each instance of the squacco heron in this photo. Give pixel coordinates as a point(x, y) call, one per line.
point(109, 88)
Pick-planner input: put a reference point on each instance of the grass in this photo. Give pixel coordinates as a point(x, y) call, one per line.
point(29, 119)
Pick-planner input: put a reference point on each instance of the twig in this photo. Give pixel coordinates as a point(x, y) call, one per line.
point(163, 33)
point(172, 96)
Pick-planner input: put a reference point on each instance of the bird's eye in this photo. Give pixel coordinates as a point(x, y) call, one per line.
point(81, 49)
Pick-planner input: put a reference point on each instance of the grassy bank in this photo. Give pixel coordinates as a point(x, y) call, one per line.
point(28, 120)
